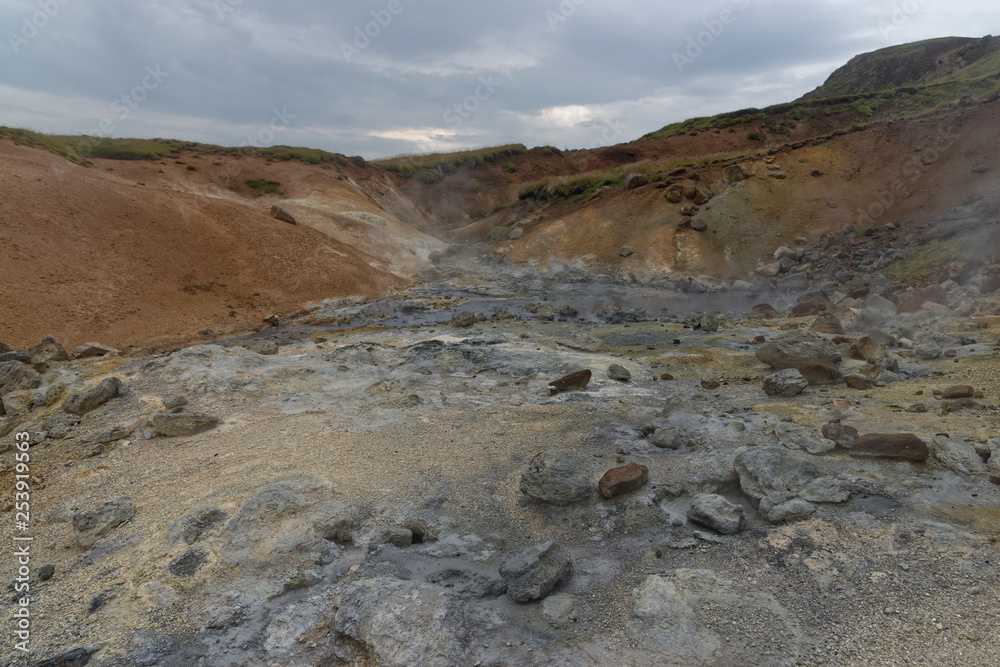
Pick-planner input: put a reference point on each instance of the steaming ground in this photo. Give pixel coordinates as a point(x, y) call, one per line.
point(361, 491)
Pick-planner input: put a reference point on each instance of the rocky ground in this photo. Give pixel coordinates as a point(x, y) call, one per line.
point(397, 482)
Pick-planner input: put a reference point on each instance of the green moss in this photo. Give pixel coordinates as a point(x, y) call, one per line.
point(263, 186)
point(924, 263)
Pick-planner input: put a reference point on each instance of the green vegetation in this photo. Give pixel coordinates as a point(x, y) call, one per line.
point(262, 186)
point(432, 167)
point(474, 185)
point(510, 167)
point(923, 263)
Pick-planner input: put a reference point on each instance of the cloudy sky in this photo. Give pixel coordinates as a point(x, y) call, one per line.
point(383, 77)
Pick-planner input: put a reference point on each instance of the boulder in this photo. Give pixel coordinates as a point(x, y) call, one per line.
point(626, 251)
point(734, 174)
point(675, 194)
point(861, 382)
point(794, 436)
point(4, 347)
point(91, 525)
point(934, 294)
point(619, 373)
point(958, 455)
point(825, 490)
point(626, 479)
point(516, 233)
point(785, 383)
point(535, 571)
point(793, 348)
point(958, 391)
point(701, 196)
point(774, 472)
point(699, 225)
point(891, 446)
point(18, 402)
point(667, 438)
point(790, 510)
point(763, 311)
point(817, 371)
point(717, 513)
point(463, 319)
point(281, 214)
point(172, 424)
point(709, 322)
point(827, 323)
point(807, 309)
point(577, 381)
point(841, 434)
point(82, 402)
point(88, 350)
point(266, 347)
point(47, 350)
point(584, 343)
point(865, 348)
point(17, 376)
point(558, 477)
point(633, 181)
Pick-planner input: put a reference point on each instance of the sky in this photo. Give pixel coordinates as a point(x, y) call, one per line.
point(386, 77)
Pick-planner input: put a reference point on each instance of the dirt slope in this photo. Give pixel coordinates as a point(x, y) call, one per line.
point(137, 252)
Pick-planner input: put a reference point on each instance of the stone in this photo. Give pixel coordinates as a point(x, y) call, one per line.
point(861, 382)
point(825, 490)
point(865, 348)
point(735, 173)
point(534, 572)
point(773, 472)
point(47, 350)
point(795, 436)
point(84, 401)
point(667, 438)
point(928, 351)
point(281, 214)
point(958, 455)
point(17, 376)
point(958, 391)
point(791, 510)
point(891, 446)
point(516, 233)
point(868, 319)
point(701, 196)
point(807, 309)
point(915, 302)
point(265, 347)
point(113, 434)
point(785, 383)
point(633, 181)
point(463, 319)
point(77, 657)
point(699, 225)
point(175, 401)
point(4, 347)
point(842, 434)
point(827, 323)
point(817, 371)
point(46, 572)
point(21, 356)
point(763, 311)
point(709, 322)
point(18, 402)
point(273, 320)
point(619, 373)
point(577, 381)
point(188, 563)
point(91, 525)
point(626, 251)
point(558, 477)
point(622, 480)
point(88, 350)
point(584, 343)
point(558, 609)
point(675, 194)
point(398, 536)
point(173, 424)
point(793, 348)
point(710, 384)
point(714, 511)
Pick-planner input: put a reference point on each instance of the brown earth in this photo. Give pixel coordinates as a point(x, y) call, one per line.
point(138, 252)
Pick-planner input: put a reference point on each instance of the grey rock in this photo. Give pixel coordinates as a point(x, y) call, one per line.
point(113, 434)
point(584, 342)
point(516, 233)
point(88, 350)
point(82, 402)
point(958, 455)
point(281, 214)
point(558, 609)
point(4, 347)
point(734, 174)
point(463, 318)
point(773, 472)
point(667, 438)
point(175, 401)
point(22, 356)
point(47, 350)
point(46, 572)
point(928, 351)
point(786, 383)
point(172, 424)
point(868, 319)
point(825, 490)
point(17, 376)
point(558, 477)
point(626, 251)
point(91, 525)
point(793, 348)
point(619, 373)
point(801, 437)
point(791, 510)
point(716, 512)
point(535, 571)
point(709, 322)
point(18, 402)
point(188, 563)
point(633, 181)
